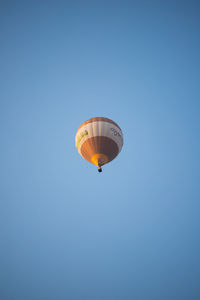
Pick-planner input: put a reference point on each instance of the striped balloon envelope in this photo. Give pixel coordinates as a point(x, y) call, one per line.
point(99, 140)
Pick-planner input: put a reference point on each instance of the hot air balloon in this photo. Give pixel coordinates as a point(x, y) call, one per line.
point(99, 140)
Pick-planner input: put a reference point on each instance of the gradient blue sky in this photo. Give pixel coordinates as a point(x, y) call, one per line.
point(66, 231)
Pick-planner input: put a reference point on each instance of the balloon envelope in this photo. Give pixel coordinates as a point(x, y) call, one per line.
point(99, 140)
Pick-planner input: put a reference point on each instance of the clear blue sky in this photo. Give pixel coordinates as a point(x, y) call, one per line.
point(66, 231)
